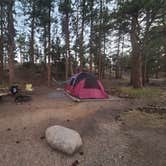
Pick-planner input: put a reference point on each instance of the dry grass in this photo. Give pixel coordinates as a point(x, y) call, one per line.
point(142, 119)
point(144, 92)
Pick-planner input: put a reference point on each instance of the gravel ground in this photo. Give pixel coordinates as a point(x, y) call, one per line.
point(107, 140)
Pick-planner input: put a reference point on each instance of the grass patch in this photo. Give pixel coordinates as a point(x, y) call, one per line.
point(143, 92)
point(139, 119)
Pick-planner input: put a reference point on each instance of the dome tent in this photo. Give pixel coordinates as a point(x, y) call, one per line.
point(85, 86)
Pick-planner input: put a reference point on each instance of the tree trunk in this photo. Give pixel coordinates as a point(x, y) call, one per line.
point(81, 47)
point(77, 38)
point(1, 44)
point(49, 48)
point(70, 61)
point(1, 57)
point(82, 36)
point(91, 36)
point(144, 73)
point(45, 45)
point(32, 35)
point(121, 65)
point(147, 76)
point(136, 78)
point(117, 70)
point(148, 23)
point(100, 43)
point(104, 62)
point(110, 72)
point(11, 41)
point(157, 74)
point(136, 74)
point(67, 67)
point(67, 40)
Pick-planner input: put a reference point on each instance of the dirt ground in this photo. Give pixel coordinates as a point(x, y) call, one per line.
point(112, 135)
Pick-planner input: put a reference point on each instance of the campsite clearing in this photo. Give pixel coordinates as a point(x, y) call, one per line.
point(111, 135)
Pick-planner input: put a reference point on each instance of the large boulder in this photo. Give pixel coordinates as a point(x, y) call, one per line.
point(63, 139)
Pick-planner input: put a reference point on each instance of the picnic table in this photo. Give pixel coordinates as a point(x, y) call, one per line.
point(20, 94)
point(3, 94)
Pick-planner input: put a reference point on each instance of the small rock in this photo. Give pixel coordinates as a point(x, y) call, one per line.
point(130, 109)
point(9, 129)
point(63, 139)
point(81, 153)
point(59, 89)
point(121, 157)
point(17, 142)
point(75, 163)
point(117, 118)
point(42, 137)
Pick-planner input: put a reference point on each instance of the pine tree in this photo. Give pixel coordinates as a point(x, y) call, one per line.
point(11, 45)
point(66, 10)
point(139, 16)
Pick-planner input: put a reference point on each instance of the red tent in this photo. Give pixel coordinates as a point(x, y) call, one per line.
point(85, 86)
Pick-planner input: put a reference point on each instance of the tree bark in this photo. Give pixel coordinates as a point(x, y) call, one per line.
point(45, 45)
point(103, 59)
point(1, 43)
point(157, 74)
point(11, 33)
point(117, 70)
point(1, 57)
point(49, 48)
point(32, 34)
point(136, 73)
point(149, 20)
point(67, 40)
point(91, 36)
point(147, 76)
point(77, 37)
point(82, 36)
point(100, 43)
point(144, 70)
point(122, 53)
